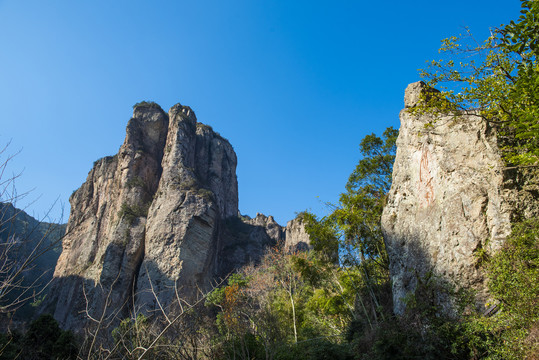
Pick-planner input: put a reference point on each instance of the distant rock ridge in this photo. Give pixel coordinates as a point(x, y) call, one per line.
point(36, 243)
point(451, 198)
point(156, 221)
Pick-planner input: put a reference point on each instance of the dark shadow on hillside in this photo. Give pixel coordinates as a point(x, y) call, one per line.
point(242, 244)
point(29, 250)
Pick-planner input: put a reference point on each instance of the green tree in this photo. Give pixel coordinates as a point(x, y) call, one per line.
point(497, 79)
point(360, 207)
point(45, 340)
point(514, 281)
point(353, 227)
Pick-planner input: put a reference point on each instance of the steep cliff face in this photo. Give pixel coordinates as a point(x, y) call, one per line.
point(147, 218)
point(198, 189)
point(448, 202)
point(295, 237)
point(248, 239)
point(156, 221)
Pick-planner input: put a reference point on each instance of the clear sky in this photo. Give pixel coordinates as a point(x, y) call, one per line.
point(294, 85)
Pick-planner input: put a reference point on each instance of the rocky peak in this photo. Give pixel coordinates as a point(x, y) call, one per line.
point(156, 221)
point(296, 238)
point(417, 92)
point(148, 217)
point(447, 202)
point(272, 228)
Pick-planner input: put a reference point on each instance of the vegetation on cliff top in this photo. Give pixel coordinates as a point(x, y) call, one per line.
point(148, 104)
point(497, 79)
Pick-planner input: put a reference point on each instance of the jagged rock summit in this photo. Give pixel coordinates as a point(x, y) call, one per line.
point(157, 221)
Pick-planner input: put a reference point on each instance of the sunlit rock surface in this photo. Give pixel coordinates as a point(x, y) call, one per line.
point(451, 199)
point(157, 222)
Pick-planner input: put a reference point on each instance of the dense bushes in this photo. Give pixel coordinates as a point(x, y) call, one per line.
point(511, 333)
point(513, 272)
point(43, 340)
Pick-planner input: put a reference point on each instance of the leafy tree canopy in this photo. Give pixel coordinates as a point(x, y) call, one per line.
point(354, 224)
point(497, 79)
point(352, 232)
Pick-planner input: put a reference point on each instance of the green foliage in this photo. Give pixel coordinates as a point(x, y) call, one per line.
point(148, 104)
point(324, 237)
point(244, 346)
point(514, 282)
point(357, 216)
point(399, 339)
point(353, 233)
point(43, 340)
point(425, 331)
point(315, 349)
point(10, 345)
point(497, 80)
point(217, 296)
point(375, 168)
point(131, 212)
point(354, 224)
point(130, 336)
point(135, 181)
point(206, 194)
point(272, 310)
point(193, 185)
point(512, 332)
point(514, 272)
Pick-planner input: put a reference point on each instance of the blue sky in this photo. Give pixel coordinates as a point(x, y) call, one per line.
point(294, 85)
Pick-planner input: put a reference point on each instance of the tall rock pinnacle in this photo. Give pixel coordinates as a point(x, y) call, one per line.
point(451, 197)
point(147, 219)
point(156, 222)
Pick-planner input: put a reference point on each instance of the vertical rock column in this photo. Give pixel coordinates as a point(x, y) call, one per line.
point(445, 203)
point(105, 233)
point(198, 188)
point(146, 225)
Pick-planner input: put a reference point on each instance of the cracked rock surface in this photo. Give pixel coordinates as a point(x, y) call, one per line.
point(157, 221)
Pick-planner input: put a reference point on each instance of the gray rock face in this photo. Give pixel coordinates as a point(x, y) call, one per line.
point(448, 200)
point(147, 218)
point(156, 221)
point(417, 92)
point(198, 189)
point(275, 232)
point(104, 244)
point(296, 238)
point(247, 240)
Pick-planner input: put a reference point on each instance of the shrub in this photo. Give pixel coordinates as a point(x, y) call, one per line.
point(43, 340)
point(131, 212)
point(135, 181)
point(147, 104)
point(192, 185)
